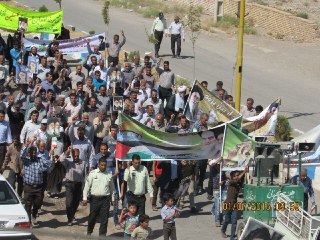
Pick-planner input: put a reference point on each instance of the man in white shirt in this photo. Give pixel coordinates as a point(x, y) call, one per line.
point(176, 31)
point(77, 76)
point(30, 127)
point(158, 27)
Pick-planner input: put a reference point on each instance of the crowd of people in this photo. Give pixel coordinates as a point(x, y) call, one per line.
point(82, 157)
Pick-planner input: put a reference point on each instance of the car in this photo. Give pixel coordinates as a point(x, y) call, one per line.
point(14, 220)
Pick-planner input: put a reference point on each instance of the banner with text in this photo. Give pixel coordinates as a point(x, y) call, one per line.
point(238, 149)
point(202, 101)
point(37, 22)
point(136, 138)
point(70, 46)
point(265, 123)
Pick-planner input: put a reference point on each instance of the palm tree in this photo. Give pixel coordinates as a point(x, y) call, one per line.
point(59, 2)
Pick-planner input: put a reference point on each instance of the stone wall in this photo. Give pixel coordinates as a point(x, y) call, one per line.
point(275, 22)
point(208, 5)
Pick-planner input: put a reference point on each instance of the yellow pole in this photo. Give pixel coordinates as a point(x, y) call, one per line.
point(240, 55)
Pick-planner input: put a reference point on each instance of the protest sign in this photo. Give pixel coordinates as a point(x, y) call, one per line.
point(202, 101)
point(69, 46)
point(37, 22)
point(33, 65)
point(22, 74)
point(23, 24)
point(118, 103)
point(238, 149)
point(265, 123)
point(136, 138)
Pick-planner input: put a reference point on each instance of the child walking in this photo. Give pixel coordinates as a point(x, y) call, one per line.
point(143, 232)
point(131, 219)
point(168, 215)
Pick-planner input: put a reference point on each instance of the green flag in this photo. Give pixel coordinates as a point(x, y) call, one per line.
point(238, 149)
point(38, 22)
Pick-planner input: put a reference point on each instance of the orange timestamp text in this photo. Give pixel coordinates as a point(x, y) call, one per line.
point(260, 206)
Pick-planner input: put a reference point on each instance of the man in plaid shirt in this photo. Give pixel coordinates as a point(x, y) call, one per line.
point(32, 170)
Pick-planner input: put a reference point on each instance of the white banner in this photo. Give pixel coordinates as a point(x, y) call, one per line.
point(70, 46)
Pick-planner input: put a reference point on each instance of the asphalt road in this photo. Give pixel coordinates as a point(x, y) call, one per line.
point(271, 68)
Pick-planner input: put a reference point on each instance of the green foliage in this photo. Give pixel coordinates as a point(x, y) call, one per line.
point(302, 15)
point(227, 21)
point(183, 81)
point(193, 22)
point(250, 30)
point(149, 12)
point(132, 54)
point(92, 32)
point(43, 8)
point(105, 12)
point(283, 129)
point(151, 38)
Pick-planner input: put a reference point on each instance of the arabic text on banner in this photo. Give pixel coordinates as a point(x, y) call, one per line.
point(38, 22)
point(70, 46)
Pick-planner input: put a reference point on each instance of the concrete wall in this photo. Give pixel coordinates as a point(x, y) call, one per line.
point(278, 23)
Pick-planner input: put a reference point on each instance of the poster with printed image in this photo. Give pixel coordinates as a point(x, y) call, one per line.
point(23, 24)
point(256, 230)
point(118, 103)
point(22, 75)
point(33, 65)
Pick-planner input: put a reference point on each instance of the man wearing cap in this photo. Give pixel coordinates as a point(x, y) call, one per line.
point(219, 86)
point(41, 133)
point(158, 27)
point(177, 102)
point(167, 80)
point(176, 31)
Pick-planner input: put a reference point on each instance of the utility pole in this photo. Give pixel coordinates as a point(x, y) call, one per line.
point(240, 54)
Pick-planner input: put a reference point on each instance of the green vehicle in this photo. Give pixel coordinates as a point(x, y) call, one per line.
point(267, 182)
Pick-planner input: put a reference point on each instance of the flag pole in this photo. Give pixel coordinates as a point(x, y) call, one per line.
point(185, 107)
point(221, 163)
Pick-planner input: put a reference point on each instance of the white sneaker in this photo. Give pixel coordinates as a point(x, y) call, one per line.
point(34, 221)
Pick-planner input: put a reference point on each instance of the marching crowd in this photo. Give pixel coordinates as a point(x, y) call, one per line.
point(82, 156)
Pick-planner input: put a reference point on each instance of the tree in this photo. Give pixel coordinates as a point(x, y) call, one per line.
point(283, 129)
point(193, 25)
point(105, 14)
point(106, 19)
point(43, 8)
point(59, 2)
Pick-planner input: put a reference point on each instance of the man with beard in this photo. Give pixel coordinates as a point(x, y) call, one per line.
point(155, 102)
point(177, 102)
